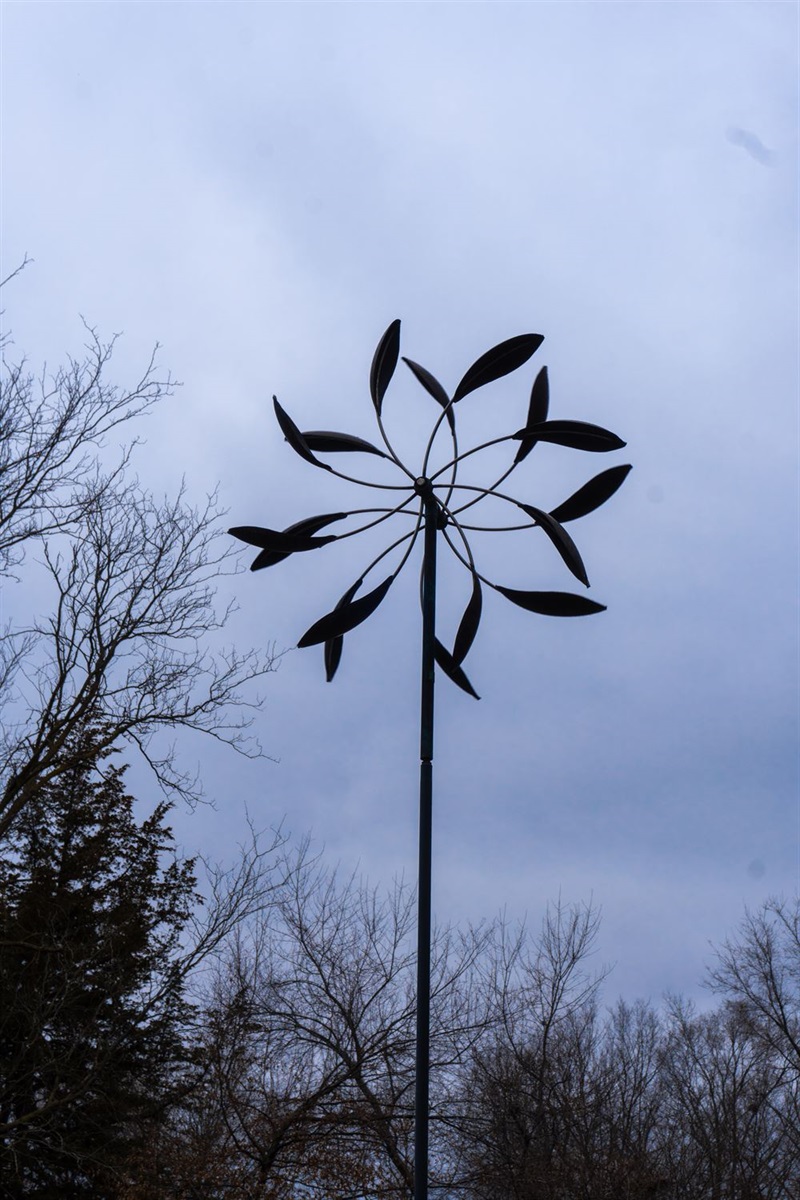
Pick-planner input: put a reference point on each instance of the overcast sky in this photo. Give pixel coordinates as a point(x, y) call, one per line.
point(262, 188)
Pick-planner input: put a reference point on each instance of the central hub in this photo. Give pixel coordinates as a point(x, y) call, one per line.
point(423, 486)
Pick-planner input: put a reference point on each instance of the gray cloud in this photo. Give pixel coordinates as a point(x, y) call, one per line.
point(273, 190)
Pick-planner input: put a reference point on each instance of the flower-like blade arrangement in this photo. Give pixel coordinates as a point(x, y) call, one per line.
point(440, 491)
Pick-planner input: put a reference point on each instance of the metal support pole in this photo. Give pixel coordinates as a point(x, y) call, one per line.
point(425, 830)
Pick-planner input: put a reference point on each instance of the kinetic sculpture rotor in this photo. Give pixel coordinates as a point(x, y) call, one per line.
point(449, 499)
point(438, 504)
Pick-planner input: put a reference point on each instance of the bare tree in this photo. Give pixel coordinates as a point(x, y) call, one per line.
point(51, 428)
point(130, 632)
point(304, 1072)
point(307, 1047)
point(563, 1104)
point(760, 969)
point(629, 1095)
point(723, 1135)
point(514, 1125)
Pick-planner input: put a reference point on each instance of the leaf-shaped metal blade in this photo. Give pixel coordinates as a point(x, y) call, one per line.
point(383, 364)
point(343, 619)
point(579, 435)
point(278, 541)
point(560, 539)
point(323, 440)
point(552, 604)
point(591, 495)
point(468, 625)
point(537, 411)
point(433, 388)
point(294, 437)
point(451, 668)
point(333, 646)
point(309, 525)
point(500, 360)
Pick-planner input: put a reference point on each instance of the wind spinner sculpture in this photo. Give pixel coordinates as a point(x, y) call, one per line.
point(437, 504)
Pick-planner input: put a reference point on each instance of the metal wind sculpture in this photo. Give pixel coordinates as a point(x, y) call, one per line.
point(437, 503)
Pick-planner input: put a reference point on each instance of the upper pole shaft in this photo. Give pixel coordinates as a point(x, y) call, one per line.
point(428, 628)
point(422, 1089)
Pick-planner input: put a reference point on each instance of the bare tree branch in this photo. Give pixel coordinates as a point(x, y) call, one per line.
point(760, 968)
point(51, 428)
point(132, 636)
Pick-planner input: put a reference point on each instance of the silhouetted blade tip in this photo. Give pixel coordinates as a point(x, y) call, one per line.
point(345, 616)
point(592, 495)
point(501, 360)
point(323, 440)
point(561, 540)
point(384, 363)
point(333, 654)
point(538, 407)
point(279, 541)
point(468, 626)
point(577, 435)
point(294, 437)
point(433, 388)
point(452, 669)
point(552, 604)
point(334, 646)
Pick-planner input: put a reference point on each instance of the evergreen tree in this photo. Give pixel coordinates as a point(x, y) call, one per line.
point(92, 1006)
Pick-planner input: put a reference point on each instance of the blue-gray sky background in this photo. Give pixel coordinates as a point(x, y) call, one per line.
point(262, 188)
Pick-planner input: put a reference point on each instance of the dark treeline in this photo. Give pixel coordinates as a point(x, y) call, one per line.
point(173, 1031)
point(261, 1046)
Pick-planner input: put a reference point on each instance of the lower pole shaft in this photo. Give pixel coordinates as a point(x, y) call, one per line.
point(422, 1089)
point(422, 1086)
